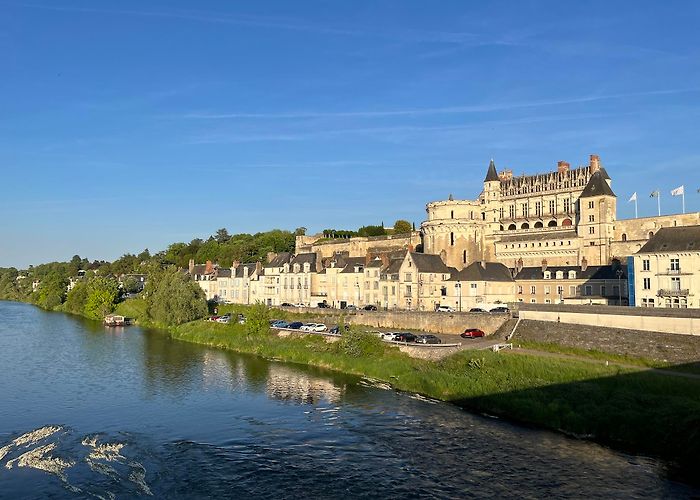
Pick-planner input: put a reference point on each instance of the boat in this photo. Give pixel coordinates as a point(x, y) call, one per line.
point(116, 320)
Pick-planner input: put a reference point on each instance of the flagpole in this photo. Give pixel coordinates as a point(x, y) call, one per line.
point(636, 215)
point(683, 200)
point(658, 201)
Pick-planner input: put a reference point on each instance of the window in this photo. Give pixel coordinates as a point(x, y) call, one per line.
point(624, 236)
point(591, 230)
point(591, 204)
point(533, 290)
point(591, 218)
point(501, 212)
point(560, 290)
point(547, 290)
point(520, 289)
point(408, 277)
point(525, 210)
point(452, 239)
point(646, 284)
point(588, 290)
point(646, 264)
point(602, 290)
point(533, 301)
point(551, 206)
point(538, 208)
point(560, 275)
point(572, 275)
point(464, 257)
point(408, 289)
point(548, 275)
point(452, 214)
point(675, 265)
point(572, 290)
point(472, 286)
point(547, 301)
point(567, 205)
point(511, 211)
point(675, 284)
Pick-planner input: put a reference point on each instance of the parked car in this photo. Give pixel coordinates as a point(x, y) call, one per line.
point(223, 319)
point(286, 304)
point(323, 305)
point(477, 310)
point(404, 337)
point(300, 304)
point(428, 339)
point(500, 309)
point(295, 325)
point(370, 307)
point(351, 307)
point(305, 327)
point(445, 309)
point(318, 327)
point(472, 333)
point(387, 335)
point(279, 324)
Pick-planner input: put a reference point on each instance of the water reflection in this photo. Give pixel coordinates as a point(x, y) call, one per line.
point(288, 384)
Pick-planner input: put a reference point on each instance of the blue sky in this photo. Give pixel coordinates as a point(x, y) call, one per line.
point(128, 124)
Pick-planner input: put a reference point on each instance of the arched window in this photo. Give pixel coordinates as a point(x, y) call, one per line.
point(512, 227)
point(552, 223)
point(624, 236)
point(501, 227)
point(538, 225)
point(525, 225)
point(452, 239)
point(651, 233)
point(566, 222)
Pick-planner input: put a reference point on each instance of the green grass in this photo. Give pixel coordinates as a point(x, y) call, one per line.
point(132, 308)
point(631, 408)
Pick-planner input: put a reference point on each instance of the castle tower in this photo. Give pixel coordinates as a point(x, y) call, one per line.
point(597, 208)
point(490, 213)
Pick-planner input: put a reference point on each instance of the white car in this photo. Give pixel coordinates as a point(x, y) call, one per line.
point(446, 309)
point(317, 327)
point(300, 305)
point(387, 336)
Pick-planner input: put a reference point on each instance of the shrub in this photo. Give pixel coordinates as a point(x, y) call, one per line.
point(258, 320)
point(357, 344)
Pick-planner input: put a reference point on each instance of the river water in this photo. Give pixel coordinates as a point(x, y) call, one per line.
point(89, 412)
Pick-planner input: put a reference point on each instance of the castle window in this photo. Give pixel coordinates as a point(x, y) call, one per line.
point(551, 206)
point(483, 215)
point(525, 225)
point(560, 275)
point(548, 275)
point(538, 225)
point(567, 205)
point(552, 223)
point(591, 204)
point(651, 233)
point(591, 230)
point(452, 239)
point(624, 236)
point(464, 256)
point(452, 214)
point(591, 218)
point(538, 208)
point(512, 227)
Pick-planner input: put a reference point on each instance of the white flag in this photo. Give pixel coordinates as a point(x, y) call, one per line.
point(633, 197)
point(679, 191)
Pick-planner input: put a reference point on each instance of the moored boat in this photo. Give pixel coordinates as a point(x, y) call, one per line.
point(116, 320)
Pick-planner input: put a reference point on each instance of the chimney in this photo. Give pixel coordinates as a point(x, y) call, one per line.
point(208, 268)
point(595, 163)
point(563, 166)
point(519, 265)
point(584, 264)
point(385, 259)
point(483, 263)
point(258, 267)
point(245, 271)
point(191, 266)
point(544, 265)
point(234, 267)
point(319, 262)
point(271, 256)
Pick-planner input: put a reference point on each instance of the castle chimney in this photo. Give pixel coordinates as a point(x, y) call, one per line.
point(319, 262)
point(245, 271)
point(271, 256)
point(519, 265)
point(584, 264)
point(483, 263)
point(594, 163)
point(563, 166)
point(544, 265)
point(208, 268)
point(234, 267)
point(191, 266)
point(385, 260)
point(258, 267)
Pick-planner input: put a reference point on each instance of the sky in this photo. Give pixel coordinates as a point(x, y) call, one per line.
point(130, 125)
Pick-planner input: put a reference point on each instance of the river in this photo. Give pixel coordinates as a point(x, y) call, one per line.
point(90, 412)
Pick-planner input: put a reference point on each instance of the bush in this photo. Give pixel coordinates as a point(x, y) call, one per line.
point(102, 294)
point(358, 344)
point(258, 320)
point(172, 299)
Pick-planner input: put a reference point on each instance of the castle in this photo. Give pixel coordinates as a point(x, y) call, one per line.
point(555, 235)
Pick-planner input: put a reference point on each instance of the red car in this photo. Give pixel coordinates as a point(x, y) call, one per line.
point(472, 333)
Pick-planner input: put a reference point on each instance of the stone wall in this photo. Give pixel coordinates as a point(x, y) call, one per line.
point(433, 322)
point(636, 231)
point(358, 246)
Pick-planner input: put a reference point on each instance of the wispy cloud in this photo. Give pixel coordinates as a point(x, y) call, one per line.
point(387, 132)
point(479, 108)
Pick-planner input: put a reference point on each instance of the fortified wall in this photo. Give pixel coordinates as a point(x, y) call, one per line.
point(631, 234)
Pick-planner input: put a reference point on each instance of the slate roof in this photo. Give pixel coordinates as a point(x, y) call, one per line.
point(223, 273)
point(250, 266)
point(492, 175)
point(393, 267)
point(281, 259)
point(198, 269)
point(591, 272)
point(351, 262)
point(493, 271)
point(597, 186)
point(673, 239)
point(375, 263)
point(305, 258)
point(605, 173)
point(429, 263)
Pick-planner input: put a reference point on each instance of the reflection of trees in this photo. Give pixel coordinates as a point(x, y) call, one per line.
point(169, 364)
point(287, 383)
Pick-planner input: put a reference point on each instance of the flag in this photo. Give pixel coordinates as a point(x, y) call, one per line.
point(654, 194)
point(679, 191)
point(633, 197)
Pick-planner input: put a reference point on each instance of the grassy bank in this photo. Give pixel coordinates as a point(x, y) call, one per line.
point(628, 408)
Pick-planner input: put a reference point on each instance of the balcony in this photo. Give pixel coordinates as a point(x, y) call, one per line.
point(670, 272)
point(673, 293)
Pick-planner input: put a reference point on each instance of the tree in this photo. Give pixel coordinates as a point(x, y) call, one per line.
point(172, 299)
point(102, 294)
point(144, 256)
point(76, 298)
point(402, 226)
point(258, 320)
point(371, 231)
point(52, 291)
point(222, 235)
point(300, 231)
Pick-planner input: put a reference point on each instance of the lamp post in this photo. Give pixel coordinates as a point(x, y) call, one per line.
point(458, 291)
point(619, 286)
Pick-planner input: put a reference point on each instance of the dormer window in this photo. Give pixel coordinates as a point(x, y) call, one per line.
point(572, 275)
point(307, 267)
point(560, 275)
point(548, 275)
point(296, 268)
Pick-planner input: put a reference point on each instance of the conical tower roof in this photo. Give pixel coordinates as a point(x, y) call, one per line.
point(597, 186)
point(492, 175)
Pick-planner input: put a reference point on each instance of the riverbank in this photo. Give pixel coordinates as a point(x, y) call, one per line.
point(631, 409)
